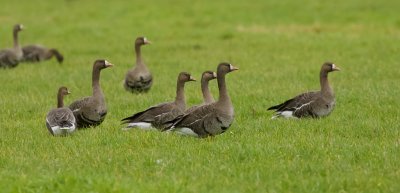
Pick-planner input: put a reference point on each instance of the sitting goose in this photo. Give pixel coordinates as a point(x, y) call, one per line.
point(38, 53)
point(211, 119)
point(91, 111)
point(61, 121)
point(311, 104)
point(159, 116)
point(138, 79)
point(207, 97)
point(10, 58)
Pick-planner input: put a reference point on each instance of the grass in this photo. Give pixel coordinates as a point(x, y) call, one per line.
point(279, 47)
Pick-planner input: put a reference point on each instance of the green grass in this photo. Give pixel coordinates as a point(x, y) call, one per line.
point(279, 47)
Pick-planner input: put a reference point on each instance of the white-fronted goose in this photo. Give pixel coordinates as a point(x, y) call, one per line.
point(10, 58)
point(310, 104)
point(159, 116)
point(91, 111)
point(61, 121)
point(211, 119)
point(38, 53)
point(207, 97)
point(139, 78)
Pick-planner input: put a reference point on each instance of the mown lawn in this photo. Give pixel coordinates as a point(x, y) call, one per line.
point(279, 47)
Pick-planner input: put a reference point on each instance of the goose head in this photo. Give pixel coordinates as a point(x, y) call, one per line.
point(142, 41)
point(208, 75)
point(185, 77)
point(101, 64)
point(224, 68)
point(18, 27)
point(63, 91)
point(329, 67)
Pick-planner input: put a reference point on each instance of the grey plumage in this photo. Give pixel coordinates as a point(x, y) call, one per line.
point(139, 78)
point(207, 96)
point(211, 119)
point(38, 53)
point(10, 57)
point(91, 111)
point(161, 116)
point(61, 121)
point(313, 104)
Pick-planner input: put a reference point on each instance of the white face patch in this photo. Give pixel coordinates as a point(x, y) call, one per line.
point(333, 66)
point(108, 64)
point(145, 39)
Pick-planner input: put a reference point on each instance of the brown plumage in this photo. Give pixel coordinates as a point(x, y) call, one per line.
point(91, 111)
point(207, 97)
point(61, 121)
point(211, 119)
point(139, 78)
point(160, 116)
point(10, 57)
point(38, 53)
point(313, 104)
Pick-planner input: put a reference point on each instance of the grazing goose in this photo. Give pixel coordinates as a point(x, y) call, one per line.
point(38, 53)
point(61, 121)
point(207, 97)
point(91, 111)
point(311, 104)
point(159, 116)
point(211, 119)
point(139, 78)
point(9, 58)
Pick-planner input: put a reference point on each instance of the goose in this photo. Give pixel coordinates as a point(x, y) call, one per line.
point(61, 121)
point(139, 78)
point(207, 97)
point(313, 104)
point(159, 116)
point(10, 57)
point(91, 111)
point(211, 119)
point(38, 53)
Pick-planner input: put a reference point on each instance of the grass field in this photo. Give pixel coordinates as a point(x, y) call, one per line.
point(279, 47)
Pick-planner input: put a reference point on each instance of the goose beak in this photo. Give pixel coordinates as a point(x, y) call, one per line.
point(192, 78)
point(335, 68)
point(233, 68)
point(68, 92)
point(108, 64)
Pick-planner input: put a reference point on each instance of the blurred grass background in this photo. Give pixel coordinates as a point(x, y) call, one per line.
point(279, 47)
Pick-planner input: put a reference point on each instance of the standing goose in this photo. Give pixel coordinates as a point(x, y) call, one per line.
point(61, 121)
point(91, 111)
point(211, 119)
point(313, 104)
point(38, 53)
point(138, 79)
point(9, 58)
point(159, 116)
point(207, 97)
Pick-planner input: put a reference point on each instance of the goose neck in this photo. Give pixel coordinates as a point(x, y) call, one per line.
point(138, 55)
point(223, 91)
point(325, 87)
point(96, 81)
point(206, 92)
point(60, 100)
point(180, 94)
